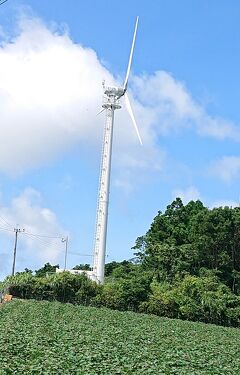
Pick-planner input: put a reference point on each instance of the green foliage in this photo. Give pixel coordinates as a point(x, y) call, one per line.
point(46, 269)
point(109, 267)
point(127, 285)
point(126, 294)
point(119, 269)
point(84, 267)
point(63, 287)
point(187, 266)
point(161, 301)
point(184, 239)
point(194, 298)
point(202, 298)
point(61, 339)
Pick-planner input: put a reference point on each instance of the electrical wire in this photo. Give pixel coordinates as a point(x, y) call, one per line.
point(45, 240)
point(43, 236)
point(5, 221)
point(32, 234)
point(81, 255)
point(6, 229)
point(40, 240)
point(2, 2)
point(45, 245)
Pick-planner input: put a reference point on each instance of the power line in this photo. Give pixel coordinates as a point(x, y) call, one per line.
point(41, 235)
point(37, 237)
point(6, 229)
point(81, 255)
point(32, 234)
point(4, 1)
point(5, 221)
point(41, 240)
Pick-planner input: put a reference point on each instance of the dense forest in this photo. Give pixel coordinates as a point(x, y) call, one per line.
point(186, 266)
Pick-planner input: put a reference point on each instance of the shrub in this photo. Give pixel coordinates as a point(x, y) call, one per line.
point(194, 298)
point(63, 287)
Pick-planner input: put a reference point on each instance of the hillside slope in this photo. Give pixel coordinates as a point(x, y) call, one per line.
point(53, 338)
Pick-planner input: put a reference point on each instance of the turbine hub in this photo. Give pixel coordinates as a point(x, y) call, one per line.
point(111, 97)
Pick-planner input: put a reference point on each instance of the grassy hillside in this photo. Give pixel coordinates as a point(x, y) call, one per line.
point(53, 338)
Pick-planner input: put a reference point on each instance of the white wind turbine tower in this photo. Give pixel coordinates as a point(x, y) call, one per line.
point(110, 103)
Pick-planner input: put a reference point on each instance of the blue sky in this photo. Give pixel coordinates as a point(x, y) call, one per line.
point(184, 92)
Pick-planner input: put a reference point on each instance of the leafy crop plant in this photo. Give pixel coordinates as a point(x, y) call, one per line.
point(54, 338)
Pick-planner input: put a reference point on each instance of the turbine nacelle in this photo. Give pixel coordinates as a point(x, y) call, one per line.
point(117, 92)
point(111, 101)
point(111, 98)
point(113, 94)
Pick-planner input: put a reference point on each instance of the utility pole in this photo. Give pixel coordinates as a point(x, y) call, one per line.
point(66, 250)
point(16, 230)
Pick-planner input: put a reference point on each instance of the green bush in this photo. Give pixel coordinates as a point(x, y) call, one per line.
point(126, 293)
point(194, 298)
point(199, 298)
point(62, 287)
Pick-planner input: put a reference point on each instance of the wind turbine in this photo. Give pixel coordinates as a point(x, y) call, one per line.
point(110, 104)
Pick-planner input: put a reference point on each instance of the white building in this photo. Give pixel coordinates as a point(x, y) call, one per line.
point(89, 274)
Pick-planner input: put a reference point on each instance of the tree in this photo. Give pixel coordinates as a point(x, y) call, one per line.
point(202, 298)
point(167, 247)
point(126, 293)
point(84, 267)
point(186, 238)
point(47, 268)
point(120, 269)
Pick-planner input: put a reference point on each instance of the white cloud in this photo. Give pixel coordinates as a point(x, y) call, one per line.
point(227, 168)
point(26, 211)
point(48, 96)
point(172, 107)
point(224, 203)
point(191, 193)
point(50, 92)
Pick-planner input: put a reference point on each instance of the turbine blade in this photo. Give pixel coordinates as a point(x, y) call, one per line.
point(103, 109)
point(130, 56)
point(129, 108)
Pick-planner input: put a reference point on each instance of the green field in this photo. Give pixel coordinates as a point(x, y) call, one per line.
point(55, 338)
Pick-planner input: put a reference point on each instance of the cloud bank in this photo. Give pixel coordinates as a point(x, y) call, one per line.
point(226, 168)
point(191, 193)
point(50, 92)
point(41, 239)
point(173, 108)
